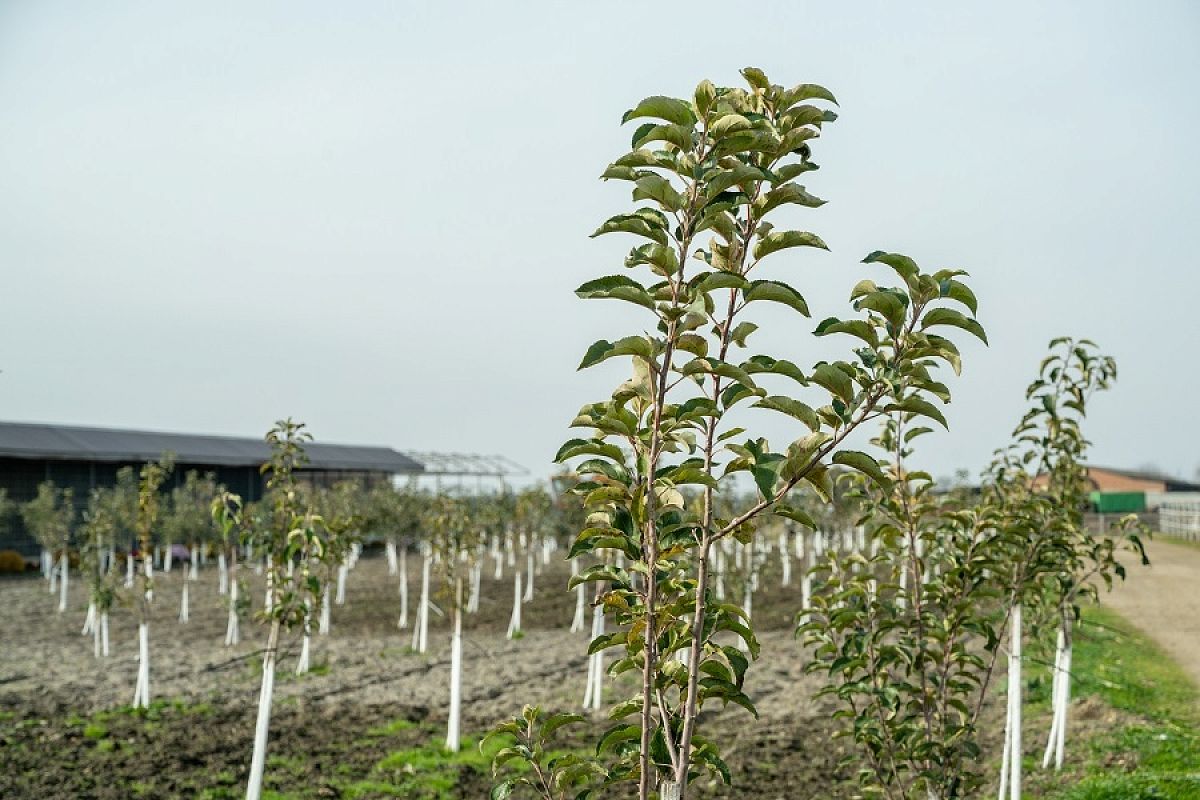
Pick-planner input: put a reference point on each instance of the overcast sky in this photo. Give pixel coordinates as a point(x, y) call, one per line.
point(372, 216)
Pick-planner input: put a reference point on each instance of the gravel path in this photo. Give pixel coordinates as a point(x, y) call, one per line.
point(1163, 600)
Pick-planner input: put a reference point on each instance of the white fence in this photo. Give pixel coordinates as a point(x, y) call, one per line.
point(1180, 520)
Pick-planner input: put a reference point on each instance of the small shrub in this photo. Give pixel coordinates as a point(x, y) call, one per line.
point(11, 562)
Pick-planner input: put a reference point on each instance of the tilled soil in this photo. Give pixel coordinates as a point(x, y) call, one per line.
point(61, 736)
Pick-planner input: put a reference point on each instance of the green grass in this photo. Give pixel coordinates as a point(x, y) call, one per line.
point(1154, 754)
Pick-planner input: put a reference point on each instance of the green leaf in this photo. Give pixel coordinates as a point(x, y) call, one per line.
point(855, 327)
point(776, 292)
point(503, 790)
point(741, 331)
point(635, 224)
point(788, 193)
point(957, 290)
point(921, 407)
point(834, 380)
point(864, 464)
point(794, 514)
point(659, 107)
point(756, 78)
point(806, 91)
point(904, 266)
point(728, 125)
point(704, 95)
point(793, 408)
point(616, 287)
point(628, 346)
point(781, 240)
point(588, 447)
point(948, 316)
point(658, 188)
point(758, 364)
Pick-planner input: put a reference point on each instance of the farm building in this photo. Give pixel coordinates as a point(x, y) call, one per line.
point(1123, 490)
point(81, 458)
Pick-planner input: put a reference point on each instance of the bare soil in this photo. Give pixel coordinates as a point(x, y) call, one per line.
point(66, 731)
point(366, 678)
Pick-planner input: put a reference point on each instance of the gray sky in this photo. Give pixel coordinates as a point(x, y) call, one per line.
point(372, 216)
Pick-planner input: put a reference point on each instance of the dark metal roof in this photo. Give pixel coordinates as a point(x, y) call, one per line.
point(69, 442)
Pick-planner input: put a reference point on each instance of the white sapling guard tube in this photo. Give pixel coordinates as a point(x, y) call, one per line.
point(104, 633)
point(580, 600)
point(403, 623)
point(514, 622)
point(305, 642)
point(343, 570)
point(423, 616)
point(129, 572)
point(166, 557)
point(529, 582)
point(183, 599)
point(1064, 699)
point(96, 636)
point(65, 568)
point(194, 563)
point(141, 692)
point(785, 559)
point(323, 623)
point(263, 722)
point(392, 562)
point(1055, 689)
point(232, 634)
point(222, 574)
point(452, 735)
point(89, 622)
point(597, 698)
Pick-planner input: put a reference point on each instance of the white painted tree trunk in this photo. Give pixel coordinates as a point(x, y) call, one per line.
point(452, 735)
point(47, 565)
point(305, 642)
point(104, 633)
point(89, 622)
point(167, 557)
point(785, 559)
point(194, 563)
point(141, 691)
point(510, 552)
point(514, 622)
point(1010, 767)
point(323, 623)
point(669, 790)
point(222, 574)
point(594, 694)
point(269, 600)
point(390, 549)
point(183, 596)
point(129, 572)
point(263, 723)
point(64, 567)
point(232, 632)
point(1064, 701)
point(343, 570)
point(529, 580)
point(96, 634)
point(403, 623)
point(475, 576)
point(580, 600)
point(421, 629)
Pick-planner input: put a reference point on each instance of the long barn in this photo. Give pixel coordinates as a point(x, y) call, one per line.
point(83, 458)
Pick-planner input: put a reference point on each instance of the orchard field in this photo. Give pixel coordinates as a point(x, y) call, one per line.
point(367, 721)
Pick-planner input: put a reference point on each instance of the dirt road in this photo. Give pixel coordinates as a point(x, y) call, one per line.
point(1163, 600)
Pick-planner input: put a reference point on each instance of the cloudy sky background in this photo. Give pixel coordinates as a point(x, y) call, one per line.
point(372, 216)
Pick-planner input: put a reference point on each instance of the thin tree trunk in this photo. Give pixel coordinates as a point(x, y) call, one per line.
point(65, 568)
point(514, 622)
point(403, 623)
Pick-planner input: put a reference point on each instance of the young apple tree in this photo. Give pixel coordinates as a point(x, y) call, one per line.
point(292, 535)
point(146, 522)
point(714, 177)
point(48, 518)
